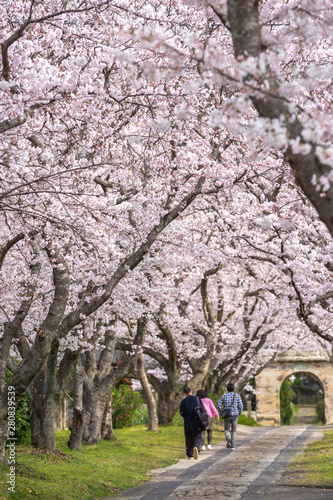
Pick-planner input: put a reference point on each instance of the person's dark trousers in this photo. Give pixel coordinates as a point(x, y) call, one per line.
point(191, 439)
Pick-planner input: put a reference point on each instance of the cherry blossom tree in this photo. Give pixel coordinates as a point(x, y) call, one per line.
point(207, 337)
point(81, 178)
point(144, 145)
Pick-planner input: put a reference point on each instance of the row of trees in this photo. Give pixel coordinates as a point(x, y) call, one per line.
point(166, 189)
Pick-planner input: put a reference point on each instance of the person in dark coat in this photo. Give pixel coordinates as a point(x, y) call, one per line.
point(192, 434)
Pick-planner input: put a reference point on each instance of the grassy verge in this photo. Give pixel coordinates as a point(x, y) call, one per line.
point(314, 466)
point(98, 471)
point(244, 420)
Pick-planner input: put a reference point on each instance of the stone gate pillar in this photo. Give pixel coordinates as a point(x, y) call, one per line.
point(268, 396)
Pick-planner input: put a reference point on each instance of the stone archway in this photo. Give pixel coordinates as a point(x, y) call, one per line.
point(269, 381)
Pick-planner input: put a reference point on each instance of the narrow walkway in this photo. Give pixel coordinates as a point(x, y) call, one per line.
point(306, 414)
point(249, 473)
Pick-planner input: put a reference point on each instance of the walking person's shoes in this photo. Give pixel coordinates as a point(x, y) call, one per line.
point(228, 443)
point(232, 449)
point(203, 448)
point(195, 453)
point(209, 446)
point(190, 458)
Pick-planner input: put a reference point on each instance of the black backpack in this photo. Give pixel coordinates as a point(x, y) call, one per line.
point(200, 417)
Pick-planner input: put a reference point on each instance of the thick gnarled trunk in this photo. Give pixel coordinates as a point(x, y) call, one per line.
point(44, 407)
point(36, 407)
point(168, 397)
point(93, 429)
point(167, 407)
point(46, 439)
point(99, 380)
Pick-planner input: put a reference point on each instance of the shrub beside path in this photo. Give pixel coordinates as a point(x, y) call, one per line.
point(251, 472)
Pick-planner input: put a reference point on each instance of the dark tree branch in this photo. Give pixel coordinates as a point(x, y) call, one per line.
point(5, 249)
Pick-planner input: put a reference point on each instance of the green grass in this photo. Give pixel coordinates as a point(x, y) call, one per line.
point(314, 466)
point(243, 420)
point(98, 471)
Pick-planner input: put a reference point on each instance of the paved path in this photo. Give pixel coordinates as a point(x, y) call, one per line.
point(306, 414)
point(248, 473)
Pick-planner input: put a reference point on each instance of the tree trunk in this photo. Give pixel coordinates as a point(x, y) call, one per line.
point(107, 428)
point(148, 396)
point(92, 404)
point(45, 407)
point(46, 439)
point(168, 404)
point(75, 438)
point(79, 415)
point(36, 407)
point(99, 381)
point(93, 429)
